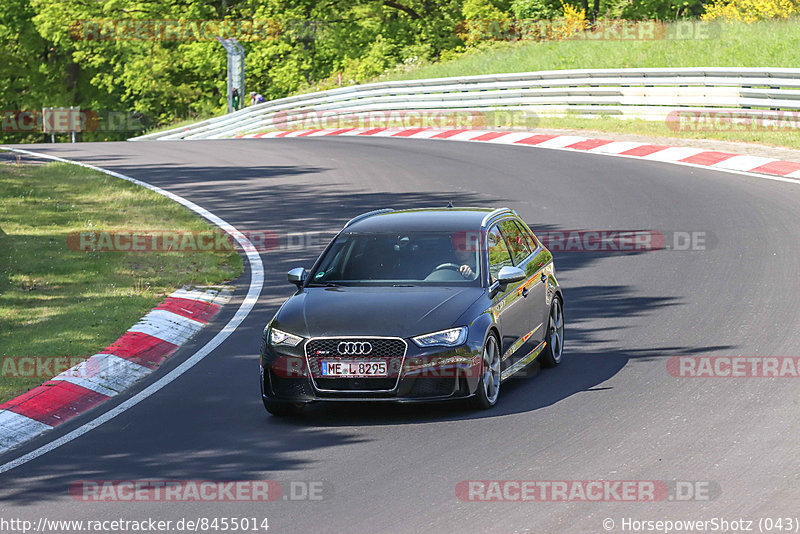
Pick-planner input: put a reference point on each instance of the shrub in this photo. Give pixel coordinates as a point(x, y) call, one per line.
point(751, 10)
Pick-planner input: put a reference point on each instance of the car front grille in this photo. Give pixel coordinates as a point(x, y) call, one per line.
point(390, 350)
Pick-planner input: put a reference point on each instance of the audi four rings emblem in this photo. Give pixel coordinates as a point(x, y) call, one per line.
point(354, 347)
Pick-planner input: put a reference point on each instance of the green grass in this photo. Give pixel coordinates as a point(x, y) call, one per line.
point(55, 301)
point(762, 44)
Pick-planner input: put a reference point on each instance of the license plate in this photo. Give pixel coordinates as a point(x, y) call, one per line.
point(353, 368)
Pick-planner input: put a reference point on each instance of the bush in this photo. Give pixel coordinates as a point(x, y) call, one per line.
point(751, 10)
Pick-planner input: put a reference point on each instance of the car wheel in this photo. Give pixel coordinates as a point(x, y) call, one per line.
point(555, 335)
point(489, 385)
point(283, 409)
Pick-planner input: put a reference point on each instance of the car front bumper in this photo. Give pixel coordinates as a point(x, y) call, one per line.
point(424, 375)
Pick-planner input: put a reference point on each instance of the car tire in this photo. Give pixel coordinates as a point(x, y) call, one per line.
point(488, 390)
point(554, 335)
point(283, 409)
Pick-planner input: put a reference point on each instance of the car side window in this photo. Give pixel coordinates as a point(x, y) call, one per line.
point(499, 256)
point(529, 238)
point(517, 243)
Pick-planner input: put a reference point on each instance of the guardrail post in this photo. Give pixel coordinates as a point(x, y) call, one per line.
point(72, 124)
point(235, 83)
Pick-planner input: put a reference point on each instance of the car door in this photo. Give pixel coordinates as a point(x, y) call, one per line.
point(539, 267)
point(507, 302)
point(531, 291)
point(525, 253)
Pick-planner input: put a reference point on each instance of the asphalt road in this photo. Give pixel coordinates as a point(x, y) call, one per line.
point(610, 411)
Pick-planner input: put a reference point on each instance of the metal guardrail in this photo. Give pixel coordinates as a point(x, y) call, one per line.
point(631, 93)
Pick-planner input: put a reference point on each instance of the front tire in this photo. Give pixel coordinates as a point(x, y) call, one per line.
point(489, 384)
point(551, 355)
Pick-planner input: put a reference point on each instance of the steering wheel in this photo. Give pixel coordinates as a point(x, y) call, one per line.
point(451, 266)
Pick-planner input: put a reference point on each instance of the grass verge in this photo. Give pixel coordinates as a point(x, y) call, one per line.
point(736, 44)
point(60, 302)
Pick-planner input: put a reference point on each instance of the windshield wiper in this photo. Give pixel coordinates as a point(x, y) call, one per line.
point(322, 284)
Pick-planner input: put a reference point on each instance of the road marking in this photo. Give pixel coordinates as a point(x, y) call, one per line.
point(248, 303)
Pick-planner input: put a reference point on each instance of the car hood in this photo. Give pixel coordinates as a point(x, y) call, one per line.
point(374, 311)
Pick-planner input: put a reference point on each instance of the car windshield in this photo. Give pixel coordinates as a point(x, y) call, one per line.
point(409, 258)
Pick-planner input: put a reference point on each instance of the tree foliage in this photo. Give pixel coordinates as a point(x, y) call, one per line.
point(49, 58)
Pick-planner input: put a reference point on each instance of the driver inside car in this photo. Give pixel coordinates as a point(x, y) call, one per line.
point(466, 261)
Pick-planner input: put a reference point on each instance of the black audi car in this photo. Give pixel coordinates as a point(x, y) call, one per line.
point(415, 305)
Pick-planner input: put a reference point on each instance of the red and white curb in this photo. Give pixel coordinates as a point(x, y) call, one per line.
point(673, 154)
point(137, 353)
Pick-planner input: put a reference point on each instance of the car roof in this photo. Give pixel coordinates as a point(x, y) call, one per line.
point(421, 219)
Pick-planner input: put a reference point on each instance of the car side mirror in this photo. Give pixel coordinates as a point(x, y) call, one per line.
point(508, 275)
point(297, 276)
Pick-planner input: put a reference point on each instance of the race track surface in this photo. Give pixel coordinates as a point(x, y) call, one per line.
point(610, 411)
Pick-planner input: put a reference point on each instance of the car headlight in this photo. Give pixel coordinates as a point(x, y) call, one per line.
point(444, 338)
point(279, 337)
